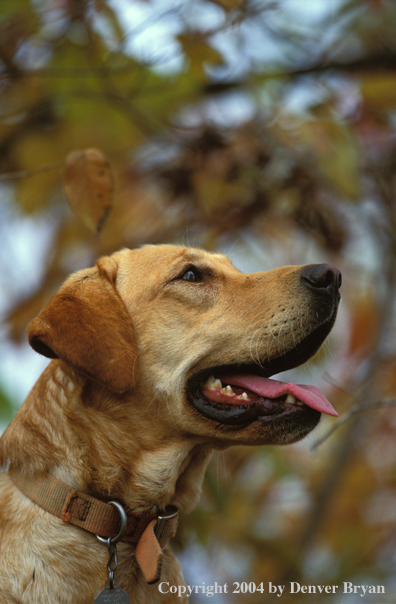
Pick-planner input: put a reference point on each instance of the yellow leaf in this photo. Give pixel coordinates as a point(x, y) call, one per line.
point(37, 155)
point(199, 53)
point(230, 5)
point(379, 90)
point(214, 194)
point(336, 153)
point(89, 187)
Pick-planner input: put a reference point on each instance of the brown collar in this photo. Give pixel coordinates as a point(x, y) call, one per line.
point(150, 533)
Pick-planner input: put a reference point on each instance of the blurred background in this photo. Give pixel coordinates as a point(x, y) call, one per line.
point(263, 129)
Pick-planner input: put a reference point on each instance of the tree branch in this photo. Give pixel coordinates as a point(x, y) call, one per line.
point(347, 416)
point(27, 173)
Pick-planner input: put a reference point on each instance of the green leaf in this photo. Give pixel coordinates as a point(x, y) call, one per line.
point(7, 409)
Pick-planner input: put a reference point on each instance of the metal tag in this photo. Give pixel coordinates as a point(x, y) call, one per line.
point(112, 596)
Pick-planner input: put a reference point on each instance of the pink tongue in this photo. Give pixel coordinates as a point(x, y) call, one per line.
point(310, 395)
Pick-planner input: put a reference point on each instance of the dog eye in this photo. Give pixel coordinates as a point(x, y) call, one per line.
point(191, 275)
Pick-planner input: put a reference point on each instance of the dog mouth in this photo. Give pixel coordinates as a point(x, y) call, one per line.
point(243, 398)
point(241, 394)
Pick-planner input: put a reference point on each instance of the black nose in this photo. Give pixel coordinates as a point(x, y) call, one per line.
point(322, 277)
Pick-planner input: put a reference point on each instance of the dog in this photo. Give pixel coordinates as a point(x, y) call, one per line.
point(160, 355)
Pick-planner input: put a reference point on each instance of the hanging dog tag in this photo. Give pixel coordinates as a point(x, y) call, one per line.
point(112, 596)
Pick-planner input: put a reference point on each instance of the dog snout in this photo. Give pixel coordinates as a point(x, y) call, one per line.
point(322, 278)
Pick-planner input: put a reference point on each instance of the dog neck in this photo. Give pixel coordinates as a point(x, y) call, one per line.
point(94, 446)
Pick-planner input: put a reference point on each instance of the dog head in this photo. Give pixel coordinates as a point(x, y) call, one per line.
point(185, 334)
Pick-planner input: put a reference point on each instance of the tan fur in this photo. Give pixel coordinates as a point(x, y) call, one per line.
point(110, 416)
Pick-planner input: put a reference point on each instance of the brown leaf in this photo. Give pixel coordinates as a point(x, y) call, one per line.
point(364, 327)
point(89, 186)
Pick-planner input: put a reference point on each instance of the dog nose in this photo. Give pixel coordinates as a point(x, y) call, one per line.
point(322, 277)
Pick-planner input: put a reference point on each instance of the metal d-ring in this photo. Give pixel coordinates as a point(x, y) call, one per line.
point(124, 520)
point(170, 512)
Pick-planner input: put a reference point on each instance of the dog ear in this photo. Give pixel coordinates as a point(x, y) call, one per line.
point(87, 325)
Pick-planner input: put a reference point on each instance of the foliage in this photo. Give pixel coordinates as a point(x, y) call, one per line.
point(6, 406)
point(254, 124)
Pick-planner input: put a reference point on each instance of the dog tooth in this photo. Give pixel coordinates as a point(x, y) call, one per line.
point(244, 396)
point(290, 399)
point(227, 390)
point(209, 382)
point(213, 383)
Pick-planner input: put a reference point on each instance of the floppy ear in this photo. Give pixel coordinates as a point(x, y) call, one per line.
point(87, 325)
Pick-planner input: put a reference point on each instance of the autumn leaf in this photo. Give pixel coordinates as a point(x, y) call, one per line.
point(379, 91)
point(199, 53)
point(89, 186)
point(230, 5)
point(336, 153)
point(364, 327)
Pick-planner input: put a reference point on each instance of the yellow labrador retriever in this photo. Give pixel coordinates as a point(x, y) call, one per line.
point(160, 355)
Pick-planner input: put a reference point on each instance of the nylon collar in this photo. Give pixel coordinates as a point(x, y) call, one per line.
point(150, 533)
